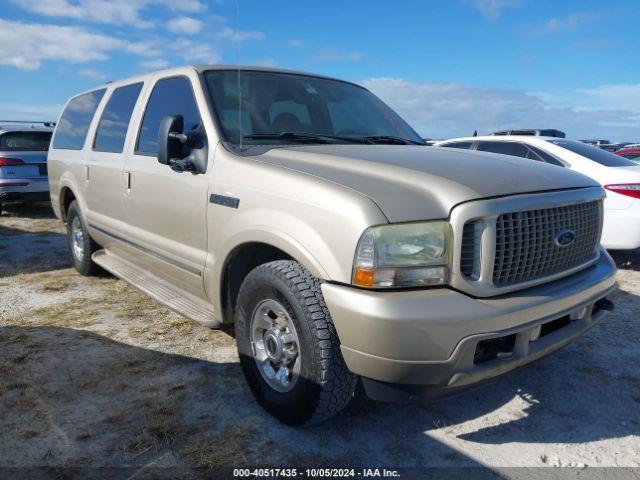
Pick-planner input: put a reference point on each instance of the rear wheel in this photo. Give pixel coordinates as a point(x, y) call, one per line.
point(81, 245)
point(288, 347)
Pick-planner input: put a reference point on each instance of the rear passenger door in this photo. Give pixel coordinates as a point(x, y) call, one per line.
point(106, 163)
point(166, 209)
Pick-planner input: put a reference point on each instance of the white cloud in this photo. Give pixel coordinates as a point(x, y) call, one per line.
point(493, 8)
point(27, 45)
point(92, 74)
point(15, 111)
point(157, 64)
point(240, 35)
point(449, 110)
point(114, 12)
point(196, 52)
point(184, 25)
point(563, 24)
point(613, 96)
point(294, 42)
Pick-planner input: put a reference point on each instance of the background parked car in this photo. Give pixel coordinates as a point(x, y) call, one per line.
point(23, 161)
point(632, 154)
point(620, 176)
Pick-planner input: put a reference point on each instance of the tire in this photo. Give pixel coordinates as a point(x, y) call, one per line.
point(324, 385)
point(80, 258)
point(0, 208)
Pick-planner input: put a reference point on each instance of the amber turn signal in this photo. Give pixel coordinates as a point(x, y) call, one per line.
point(364, 277)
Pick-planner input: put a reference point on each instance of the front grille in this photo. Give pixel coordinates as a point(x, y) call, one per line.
point(526, 247)
point(525, 241)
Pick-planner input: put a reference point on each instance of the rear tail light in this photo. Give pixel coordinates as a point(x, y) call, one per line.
point(10, 162)
point(14, 184)
point(628, 189)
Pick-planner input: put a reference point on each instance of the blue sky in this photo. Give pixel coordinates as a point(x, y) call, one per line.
point(448, 67)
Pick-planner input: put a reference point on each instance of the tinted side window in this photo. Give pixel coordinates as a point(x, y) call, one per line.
point(112, 129)
point(73, 126)
point(170, 96)
point(506, 148)
point(545, 157)
point(25, 141)
point(465, 145)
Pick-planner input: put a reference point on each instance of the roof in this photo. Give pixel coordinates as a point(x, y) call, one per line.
point(502, 138)
point(202, 68)
point(23, 128)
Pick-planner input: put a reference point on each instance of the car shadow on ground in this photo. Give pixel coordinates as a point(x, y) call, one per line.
point(74, 399)
point(29, 242)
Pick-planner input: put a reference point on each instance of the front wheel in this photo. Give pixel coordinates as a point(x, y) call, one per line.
point(288, 347)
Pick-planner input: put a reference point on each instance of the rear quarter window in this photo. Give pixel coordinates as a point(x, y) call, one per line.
point(25, 141)
point(514, 149)
point(74, 123)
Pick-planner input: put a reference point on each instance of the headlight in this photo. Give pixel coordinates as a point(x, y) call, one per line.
point(403, 255)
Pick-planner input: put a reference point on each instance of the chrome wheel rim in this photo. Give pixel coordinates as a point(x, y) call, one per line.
point(77, 239)
point(275, 346)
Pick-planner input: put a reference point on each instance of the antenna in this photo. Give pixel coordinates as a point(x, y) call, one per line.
point(237, 39)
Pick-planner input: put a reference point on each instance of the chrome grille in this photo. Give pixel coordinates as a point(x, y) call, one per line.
point(525, 241)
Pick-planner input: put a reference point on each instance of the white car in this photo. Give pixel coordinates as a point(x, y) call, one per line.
point(619, 176)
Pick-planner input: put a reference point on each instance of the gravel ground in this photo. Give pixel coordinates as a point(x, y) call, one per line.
point(95, 374)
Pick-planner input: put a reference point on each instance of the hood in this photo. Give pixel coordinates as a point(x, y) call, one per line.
point(411, 183)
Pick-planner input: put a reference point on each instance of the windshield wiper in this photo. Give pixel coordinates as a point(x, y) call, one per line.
point(392, 140)
point(303, 137)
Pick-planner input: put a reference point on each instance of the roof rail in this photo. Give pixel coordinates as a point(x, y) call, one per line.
point(29, 122)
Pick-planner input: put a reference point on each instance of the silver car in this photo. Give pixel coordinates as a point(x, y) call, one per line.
point(23, 161)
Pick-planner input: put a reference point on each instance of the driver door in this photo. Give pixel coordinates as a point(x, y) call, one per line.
point(166, 209)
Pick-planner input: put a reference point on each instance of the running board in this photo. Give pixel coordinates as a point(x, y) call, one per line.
point(177, 300)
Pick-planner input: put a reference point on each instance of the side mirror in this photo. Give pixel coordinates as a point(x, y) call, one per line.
point(182, 151)
point(169, 146)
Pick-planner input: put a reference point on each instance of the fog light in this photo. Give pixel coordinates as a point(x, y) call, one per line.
point(534, 333)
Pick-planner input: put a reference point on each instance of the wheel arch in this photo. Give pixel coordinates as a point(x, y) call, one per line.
point(238, 263)
point(67, 195)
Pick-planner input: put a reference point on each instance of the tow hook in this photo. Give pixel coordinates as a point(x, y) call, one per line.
point(605, 304)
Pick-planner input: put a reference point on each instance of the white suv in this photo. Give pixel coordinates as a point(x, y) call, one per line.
point(619, 176)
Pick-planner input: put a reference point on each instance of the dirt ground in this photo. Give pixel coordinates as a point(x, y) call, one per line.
point(95, 374)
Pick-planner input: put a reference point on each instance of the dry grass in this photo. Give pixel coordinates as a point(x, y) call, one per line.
point(78, 312)
point(228, 448)
point(161, 426)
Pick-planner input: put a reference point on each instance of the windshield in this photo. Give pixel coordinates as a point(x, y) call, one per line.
point(276, 103)
point(596, 154)
point(25, 141)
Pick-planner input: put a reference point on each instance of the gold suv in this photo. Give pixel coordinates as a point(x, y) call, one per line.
point(307, 212)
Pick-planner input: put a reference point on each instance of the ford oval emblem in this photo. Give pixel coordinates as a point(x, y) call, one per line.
point(565, 238)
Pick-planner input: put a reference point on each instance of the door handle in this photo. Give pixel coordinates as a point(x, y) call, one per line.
point(127, 183)
point(86, 173)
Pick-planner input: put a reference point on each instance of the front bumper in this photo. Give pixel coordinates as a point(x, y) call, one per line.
point(430, 338)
